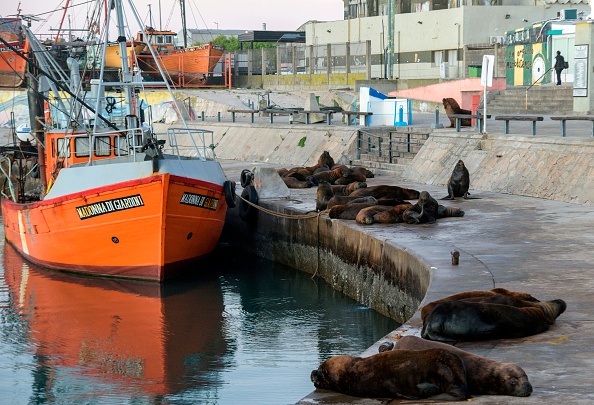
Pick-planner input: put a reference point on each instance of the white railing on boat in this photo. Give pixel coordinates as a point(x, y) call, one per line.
point(183, 142)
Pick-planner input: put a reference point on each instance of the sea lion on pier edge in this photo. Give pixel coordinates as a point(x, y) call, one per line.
point(323, 195)
point(347, 199)
point(493, 295)
point(365, 216)
point(412, 374)
point(349, 188)
point(393, 215)
point(332, 175)
point(459, 182)
point(347, 211)
point(484, 376)
point(292, 182)
point(385, 191)
point(423, 212)
point(469, 321)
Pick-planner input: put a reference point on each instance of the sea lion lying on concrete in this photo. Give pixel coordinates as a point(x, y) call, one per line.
point(293, 182)
point(351, 178)
point(333, 175)
point(484, 376)
point(495, 295)
point(385, 191)
point(324, 160)
point(459, 182)
point(413, 374)
point(445, 212)
point(393, 215)
point(347, 199)
point(451, 106)
point(347, 211)
point(468, 321)
point(364, 171)
point(365, 216)
point(427, 210)
point(349, 188)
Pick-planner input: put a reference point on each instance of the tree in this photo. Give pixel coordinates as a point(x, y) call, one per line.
point(231, 43)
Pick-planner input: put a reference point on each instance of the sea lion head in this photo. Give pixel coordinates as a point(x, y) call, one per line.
point(514, 381)
point(311, 181)
point(552, 309)
point(328, 374)
point(460, 165)
point(325, 159)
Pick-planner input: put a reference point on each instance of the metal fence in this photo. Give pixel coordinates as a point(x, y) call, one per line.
point(389, 146)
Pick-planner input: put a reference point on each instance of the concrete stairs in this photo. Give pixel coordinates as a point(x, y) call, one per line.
point(548, 100)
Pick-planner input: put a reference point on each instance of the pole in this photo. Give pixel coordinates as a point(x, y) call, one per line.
point(390, 55)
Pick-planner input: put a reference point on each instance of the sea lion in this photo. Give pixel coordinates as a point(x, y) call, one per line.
point(365, 216)
point(282, 171)
point(494, 296)
point(469, 321)
point(445, 212)
point(412, 374)
point(347, 211)
point(393, 215)
point(423, 212)
point(323, 195)
point(321, 169)
point(332, 175)
point(364, 171)
point(293, 182)
point(347, 199)
point(324, 160)
point(351, 178)
point(300, 173)
point(451, 106)
point(484, 376)
point(385, 191)
point(459, 182)
point(349, 188)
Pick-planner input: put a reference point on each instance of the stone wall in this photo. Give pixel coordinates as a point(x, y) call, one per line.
point(556, 169)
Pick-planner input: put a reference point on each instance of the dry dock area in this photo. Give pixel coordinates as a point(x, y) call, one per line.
point(539, 246)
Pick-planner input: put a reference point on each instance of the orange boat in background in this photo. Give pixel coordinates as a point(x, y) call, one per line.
point(184, 67)
point(115, 199)
point(125, 335)
point(113, 58)
point(12, 66)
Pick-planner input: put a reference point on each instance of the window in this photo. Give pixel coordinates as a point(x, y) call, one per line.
point(121, 145)
point(63, 148)
point(102, 146)
point(81, 147)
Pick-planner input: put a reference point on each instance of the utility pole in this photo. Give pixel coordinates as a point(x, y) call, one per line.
point(390, 56)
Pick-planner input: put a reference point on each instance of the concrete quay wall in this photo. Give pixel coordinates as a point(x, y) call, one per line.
point(552, 168)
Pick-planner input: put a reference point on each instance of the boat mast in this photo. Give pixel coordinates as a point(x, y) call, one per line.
point(182, 7)
point(126, 75)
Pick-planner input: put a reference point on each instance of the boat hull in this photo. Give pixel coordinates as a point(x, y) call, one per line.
point(113, 58)
point(149, 229)
point(12, 67)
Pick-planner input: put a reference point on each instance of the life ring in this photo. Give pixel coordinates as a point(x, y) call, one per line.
point(246, 178)
point(229, 187)
point(94, 28)
point(246, 211)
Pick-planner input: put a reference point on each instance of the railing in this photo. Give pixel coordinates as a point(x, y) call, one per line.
point(191, 147)
point(392, 145)
point(534, 83)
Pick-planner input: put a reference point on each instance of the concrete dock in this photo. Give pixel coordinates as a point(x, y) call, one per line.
point(540, 246)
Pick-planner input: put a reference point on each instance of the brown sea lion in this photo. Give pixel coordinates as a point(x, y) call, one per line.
point(423, 212)
point(293, 182)
point(365, 216)
point(393, 215)
point(347, 199)
point(484, 376)
point(451, 106)
point(459, 182)
point(364, 171)
point(282, 171)
point(323, 195)
point(351, 178)
point(495, 295)
point(324, 160)
point(445, 212)
point(349, 188)
point(470, 321)
point(300, 173)
point(385, 191)
point(332, 175)
point(347, 211)
point(411, 374)
point(321, 169)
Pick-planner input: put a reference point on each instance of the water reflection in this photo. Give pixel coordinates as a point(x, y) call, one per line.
point(249, 333)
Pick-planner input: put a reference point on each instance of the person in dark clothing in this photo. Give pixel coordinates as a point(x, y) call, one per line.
point(559, 66)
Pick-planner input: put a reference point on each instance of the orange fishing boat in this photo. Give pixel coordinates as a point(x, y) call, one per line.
point(185, 66)
point(12, 67)
point(125, 335)
point(117, 200)
point(113, 57)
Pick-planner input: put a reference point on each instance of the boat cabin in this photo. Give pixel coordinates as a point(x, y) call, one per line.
point(161, 41)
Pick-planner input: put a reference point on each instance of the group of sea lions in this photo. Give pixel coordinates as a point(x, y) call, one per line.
point(325, 170)
point(417, 368)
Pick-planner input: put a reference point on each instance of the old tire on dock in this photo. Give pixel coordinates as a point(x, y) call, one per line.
point(229, 188)
point(246, 211)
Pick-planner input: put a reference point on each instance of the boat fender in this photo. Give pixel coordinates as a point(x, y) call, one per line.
point(229, 187)
point(246, 178)
point(246, 211)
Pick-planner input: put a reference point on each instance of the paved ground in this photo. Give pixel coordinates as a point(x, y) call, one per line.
point(527, 244)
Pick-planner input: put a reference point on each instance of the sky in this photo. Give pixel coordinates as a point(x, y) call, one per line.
point(279, 15)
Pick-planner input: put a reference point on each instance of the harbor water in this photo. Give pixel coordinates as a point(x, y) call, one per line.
point(247, 332)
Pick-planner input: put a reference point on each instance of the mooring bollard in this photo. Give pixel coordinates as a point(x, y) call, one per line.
point(455, 257)
point(219, 116)
point(436, 124)
point(202, 115)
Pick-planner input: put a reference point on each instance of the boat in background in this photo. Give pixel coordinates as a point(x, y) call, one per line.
point(112, 54)
point(114, 198)
point(12, 67)
point(185, 66)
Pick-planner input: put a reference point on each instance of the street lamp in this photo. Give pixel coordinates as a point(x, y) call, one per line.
point(216, 23)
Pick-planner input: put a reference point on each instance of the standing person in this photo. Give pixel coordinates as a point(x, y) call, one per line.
point(559, 66)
